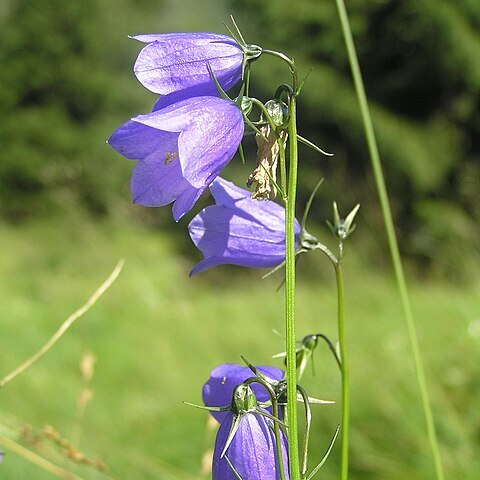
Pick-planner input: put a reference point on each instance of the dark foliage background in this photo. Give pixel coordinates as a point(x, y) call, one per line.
point(421, 65)
point(66, 83)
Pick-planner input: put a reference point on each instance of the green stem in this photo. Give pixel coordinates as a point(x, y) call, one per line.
point(294, 461)
point(344, 369)
point(392, 239)
point(283, 167)
point(276, 426)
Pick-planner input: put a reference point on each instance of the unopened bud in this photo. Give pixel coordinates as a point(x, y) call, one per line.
point(343, 228)
point(244, 400)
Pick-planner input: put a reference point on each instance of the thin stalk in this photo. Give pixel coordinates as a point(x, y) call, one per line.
point(278, 439)
point(290, 349)
point(276, 424)
point(345, 374)
point(306, 435)
point(66, 325)
point(283, 168)
point(392, 239)
point(38, 460)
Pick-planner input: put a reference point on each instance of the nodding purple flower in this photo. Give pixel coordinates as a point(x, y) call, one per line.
point(173, 62)
point(218, 390)
point(239, 230)
point(245, 446)
point(180, 149)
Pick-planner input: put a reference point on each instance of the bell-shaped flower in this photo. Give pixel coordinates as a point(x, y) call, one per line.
point(180, 149)
point(173, 62)
point(218, 390)
point(239, 230)
point(246, 446)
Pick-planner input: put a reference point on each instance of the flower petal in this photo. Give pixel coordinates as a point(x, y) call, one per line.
point(223, 232)
point(155, 183)
point(195, 38)
point(185, 201)
point(252, 450)
point(239, 230)
point(268, 213)
point(195, 91)
point(211, 141)
point(173, 62)
point(218, 390)
point(173, 118)
point(136, 141)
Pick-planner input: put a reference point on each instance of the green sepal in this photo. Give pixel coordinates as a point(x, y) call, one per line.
point(312, 145)
point(230, 464)
point(343, 228)
point(221, 91)
point(210, 409)
point(241, 153)
point(304, 79)
point(233, 430)
point(327, 454)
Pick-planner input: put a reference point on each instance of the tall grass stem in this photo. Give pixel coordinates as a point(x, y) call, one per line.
point(41, 462)
point(66, 324)
point(345, 373)
point(392, 239)
point(293, 454)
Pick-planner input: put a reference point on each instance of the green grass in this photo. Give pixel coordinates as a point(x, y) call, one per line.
point(156, 334)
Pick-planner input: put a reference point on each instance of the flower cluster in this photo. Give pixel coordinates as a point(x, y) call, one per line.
point(181, 146)
point(191, 134)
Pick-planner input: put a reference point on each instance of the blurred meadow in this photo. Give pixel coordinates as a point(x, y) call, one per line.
point(66, 218)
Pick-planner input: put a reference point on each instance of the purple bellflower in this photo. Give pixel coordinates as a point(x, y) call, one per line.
point(239, 230)
point(178, 62)
point(180, 149)
point(218, 390)
point(247, 440)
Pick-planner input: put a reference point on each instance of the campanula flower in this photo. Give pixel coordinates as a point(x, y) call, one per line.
point(239, 230)
point(246, 438)
point(180, 149)
point(174, 62)
point(218, 390)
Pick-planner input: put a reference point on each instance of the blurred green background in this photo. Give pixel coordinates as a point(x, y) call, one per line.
point(66, 83)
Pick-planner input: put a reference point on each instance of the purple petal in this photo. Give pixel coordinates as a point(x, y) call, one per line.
point(228, 234)
point(173, 62)
point(136, 141)
point(157, 179)
point(270, 214)
point(185, 201)
point(156, 182)
point(252, 451)
point(211, 141)
point(211, 131)
point(195, 38)
point(218, 390)
point(207, 263)
point(239, 230)
point(175, 117)
point(163, 101)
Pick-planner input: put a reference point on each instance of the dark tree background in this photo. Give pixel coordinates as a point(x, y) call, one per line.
point(421, 65)
point(66, 83)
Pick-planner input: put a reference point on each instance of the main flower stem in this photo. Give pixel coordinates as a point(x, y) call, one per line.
point(344, 368)
point(392, 239)
point(294, 461)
